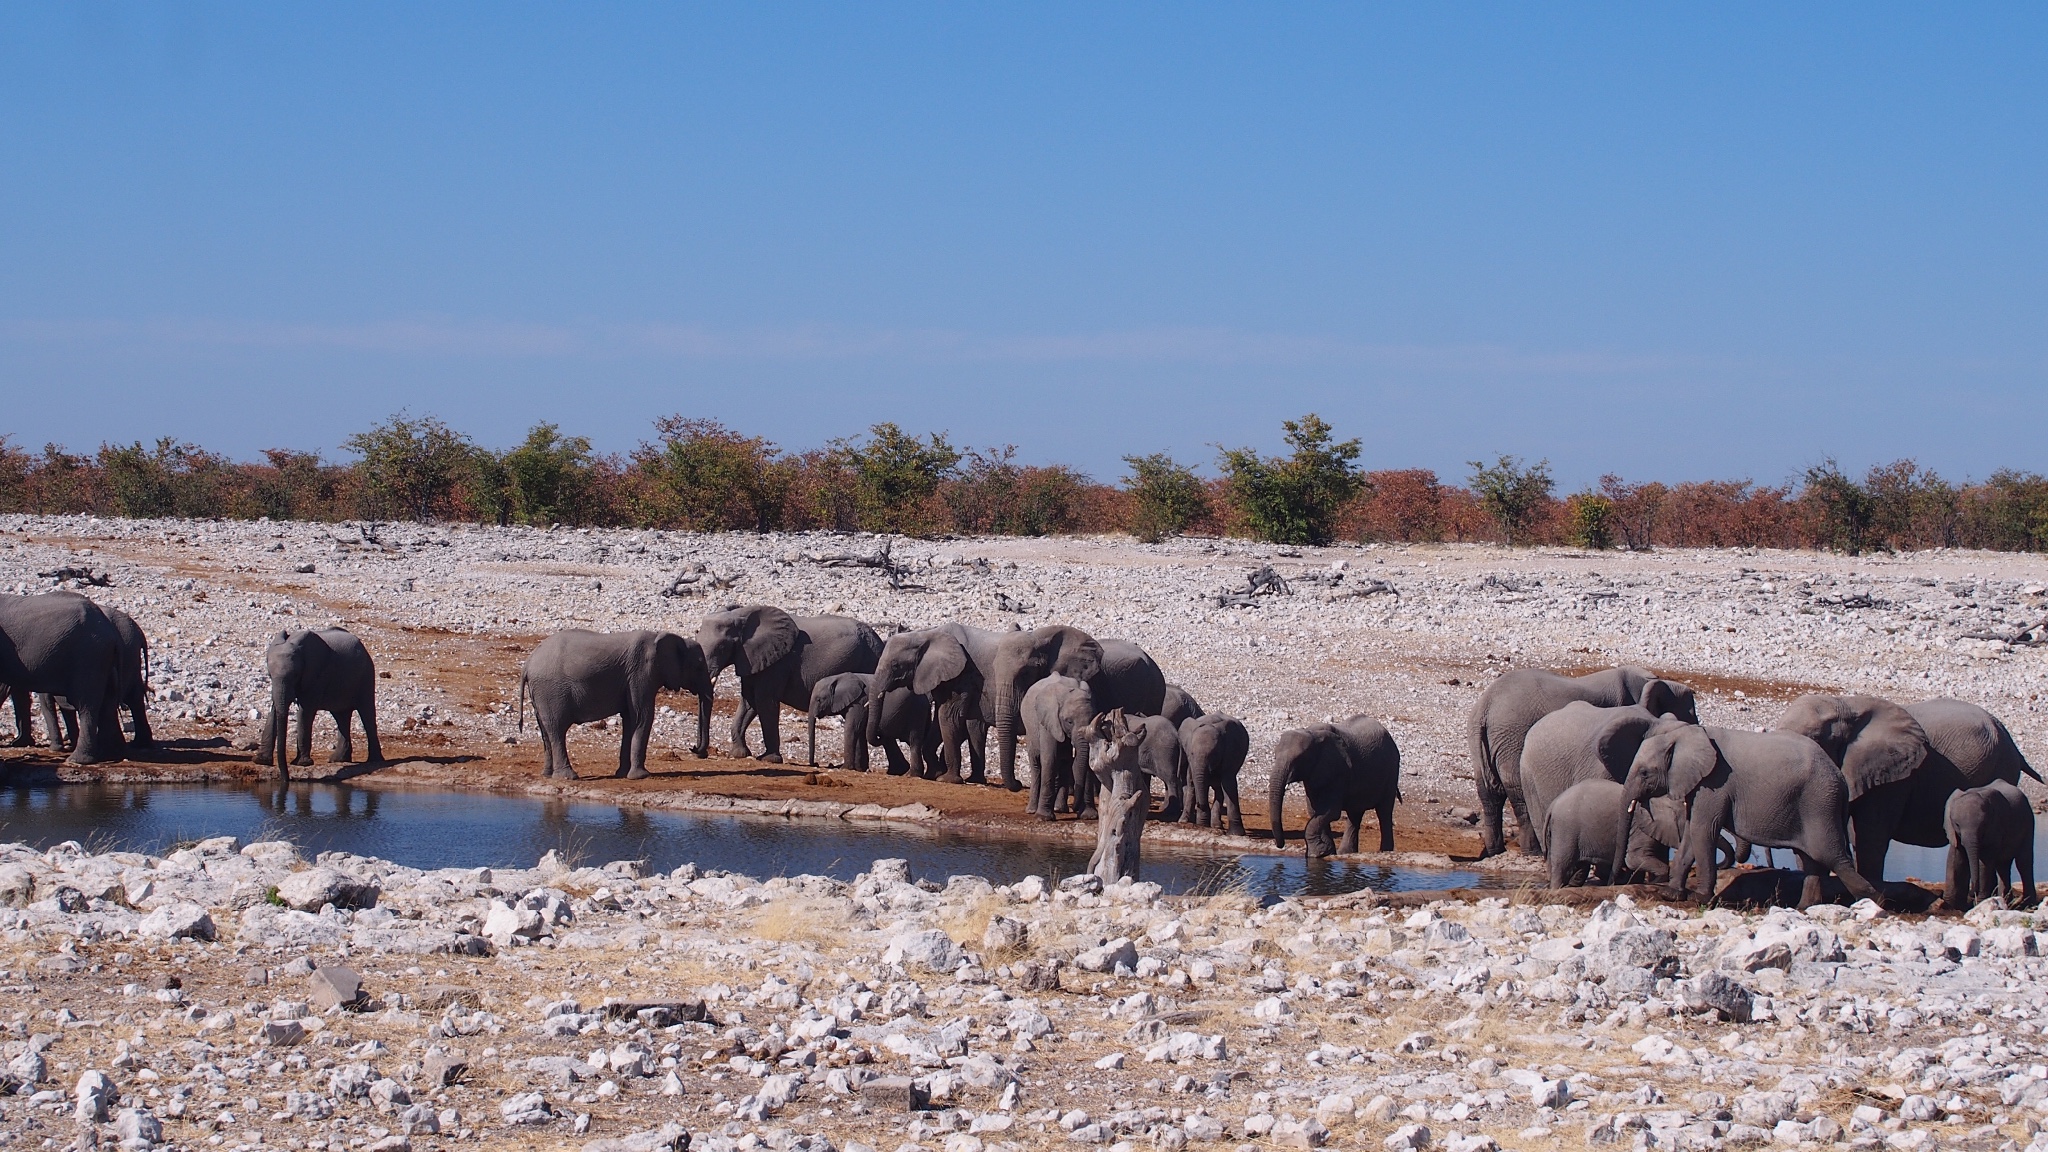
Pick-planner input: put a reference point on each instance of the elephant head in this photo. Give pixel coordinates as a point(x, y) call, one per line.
point(1023, 659)
point(1874, 741)
point(929, 662)
point(288, 658)
point(837, 695)
point(1674, 760)
point(747, 639)
point(679, 666)
point(1296, 753)
point(1668, 698)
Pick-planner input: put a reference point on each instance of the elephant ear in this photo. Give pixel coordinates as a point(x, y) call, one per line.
point(943, 661)
point(770, 635)
point(1889, 749)
point(1693, 758)
point(1079, 655)
point(1619, 736)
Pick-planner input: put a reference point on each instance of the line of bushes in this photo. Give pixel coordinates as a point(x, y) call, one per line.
point(701, 475)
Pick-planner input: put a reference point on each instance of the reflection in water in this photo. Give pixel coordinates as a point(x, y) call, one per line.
point(425, 829)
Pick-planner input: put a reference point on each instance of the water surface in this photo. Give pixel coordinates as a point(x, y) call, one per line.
point(436, 829)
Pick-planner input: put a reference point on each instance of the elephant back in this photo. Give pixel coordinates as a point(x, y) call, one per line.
point(1579, 742)
point(1966, 743)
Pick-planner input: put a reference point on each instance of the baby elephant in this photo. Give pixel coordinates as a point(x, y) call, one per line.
point(906, 716)
point(1579, 828)
point(329, 671)
point(1990, 832)
point(1215, 745)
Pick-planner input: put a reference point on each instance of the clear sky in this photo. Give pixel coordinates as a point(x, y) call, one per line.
point(1670, 241)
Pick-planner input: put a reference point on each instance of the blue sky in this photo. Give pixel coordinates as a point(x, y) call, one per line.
point(1715, 241)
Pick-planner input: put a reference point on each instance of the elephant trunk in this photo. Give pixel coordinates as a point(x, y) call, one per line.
point(1004, 725)
point(1175, 802)
point(278, 728)
point(873, 727)
point(1274, 802)
point(1625, 825)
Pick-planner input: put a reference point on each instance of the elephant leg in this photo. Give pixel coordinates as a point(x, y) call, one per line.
point(810, 740)
point(137, 703)
point(977, 754)
point(1877, 814)
point(769, 707)
point(344, 748)
point(1236, 809)
point(2024, 863)
point(302, 737)
point(898, 764)
point(1386, 817)
point(373, 750)
point(1492, 804)
point(24, 733)
point(1810, 884)
point(1354, 818)
point(952, 730)
point(46, 706)
point(636, 740)
point(740, 724)
point(562, 769)
point(1315, 835)
point(1525, 828)
point(1960, 878)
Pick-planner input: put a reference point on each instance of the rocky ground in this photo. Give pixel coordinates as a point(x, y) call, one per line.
point(238, 997)
point(1408, 634)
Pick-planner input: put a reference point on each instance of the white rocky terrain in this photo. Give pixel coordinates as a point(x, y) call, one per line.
point(1408, 634)
point(237, 996)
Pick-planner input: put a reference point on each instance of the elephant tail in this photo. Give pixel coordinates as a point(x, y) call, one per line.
point(522, 701)
point(1484, 771)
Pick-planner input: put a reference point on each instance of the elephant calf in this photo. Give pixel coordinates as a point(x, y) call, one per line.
point(1990, 832)
point(1580, 826)
point(1345, 769)
point(329, 671)
point(1215, 746)
point(906, 716)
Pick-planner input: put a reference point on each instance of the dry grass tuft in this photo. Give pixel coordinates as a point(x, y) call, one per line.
point(819, 923)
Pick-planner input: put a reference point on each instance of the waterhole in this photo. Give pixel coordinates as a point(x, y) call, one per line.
point(435, 829)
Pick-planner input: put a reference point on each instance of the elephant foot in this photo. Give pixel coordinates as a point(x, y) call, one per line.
point(700, 753)
point(1013, 786)
point(1676, 895)
point(21, 742)
point(1487, 850)
point(1088, 813)
point(950, 778)
point(1048, 817)
point(1237, 829)
point(770, 757)
point(637, 774)
point(302, 762)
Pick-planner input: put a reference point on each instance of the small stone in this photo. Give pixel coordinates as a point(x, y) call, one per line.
point(526, 1108)
point(281, 1033)
point(1110, 1063)
point(136, 1128)
point(1120, 952)
point(930, 950)
point(441, 1069)
point(92, 1093)
point(176, 922)
point(1551, 1094)
point(315, 888)
point(1407, 1138)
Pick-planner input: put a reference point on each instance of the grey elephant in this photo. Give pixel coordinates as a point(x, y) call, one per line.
point(1215, 746)
point(1059, 712)
point(1178, 705)
point(1511, 705)
point(324, 670)
point(1777, 789)
point(134, 690)
point(906, 717)
point(1579, 741)
point(940, 663)
point(1161, 758)
point(1579, 829)
point(1347, 768)
point(1990, 833)
point(581, 677)
point(990, 672)
point(62, 644)
point(779, 659)
point(1903, 763)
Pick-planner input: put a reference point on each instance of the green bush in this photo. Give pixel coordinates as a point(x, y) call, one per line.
point(1167, 497)
point(1592, 520)
point(1293, 499)
point(895, 477)
point(413, 469)
point(704, 477)
point(1512, 494)
point(1838, 507)
point(547, 477)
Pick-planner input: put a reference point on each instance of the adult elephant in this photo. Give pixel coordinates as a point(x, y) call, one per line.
point(320, 670)
point(62, 644)
point(779, 659)
point(1215, 746)
point(906, 717)
point(989, 672)
point(1777, 789)
point(1579, 742)
point(1346, 768)
point(1512, 704)
point(1903, 763)
point(134, 690)
point(580, 677)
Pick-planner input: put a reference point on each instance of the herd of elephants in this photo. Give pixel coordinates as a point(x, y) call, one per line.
point(1609, 773)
